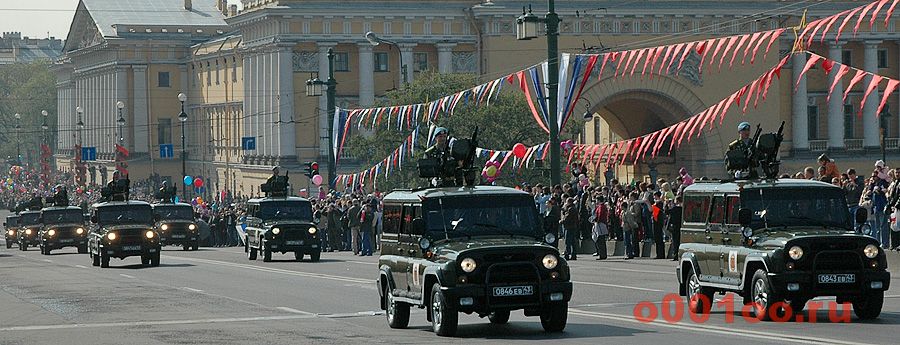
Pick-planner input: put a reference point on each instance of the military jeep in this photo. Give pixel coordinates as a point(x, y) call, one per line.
point(174, 222)
point(120, 229)
point(475, 250)
point(29, 227)
point(11, 229)
point(62, 227)
point(778, 244)
point(281, 225)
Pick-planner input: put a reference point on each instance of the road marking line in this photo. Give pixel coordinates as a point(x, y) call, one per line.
point(617, 286)
point(127, 276)
point(80, 266)
point(276, 270)
point(363, 262)
point(769, 335)
point(295, 311)
point(47, 260)
point(191, 289)
point(156, 323)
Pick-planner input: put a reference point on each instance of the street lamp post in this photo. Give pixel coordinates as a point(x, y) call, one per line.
point(375, 41)
point(526, 29)
point(884, 120)
point(121, 122)
point(45, 127)
point(18, 142)
point(77, 151)
point(314, 89)
point(182, 117)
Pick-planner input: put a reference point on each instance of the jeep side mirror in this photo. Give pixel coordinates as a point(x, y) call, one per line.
point(862, 215)
point(745, 216)
point(418, 226)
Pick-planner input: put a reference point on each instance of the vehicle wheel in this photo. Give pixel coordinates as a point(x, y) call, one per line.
point(499, 317)
point(314, 256)
point(185, 247)
point(8, 244)
point(251, 253)
point(145, 260)
point(195, 246)
point(397, 312)
point(869, 307)
point(267, 253)
point(444, 319)
point(104, 260)
point(82, 249)
point(246, 245)
point(45, 250)
point(95, 260)
point(797, 305)
point(764, 298)
point(154, 259)
point(696, 292)
point(298, 256)
point(23, 247)
point(553, 319)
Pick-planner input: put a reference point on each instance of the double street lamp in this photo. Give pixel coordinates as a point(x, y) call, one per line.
point(376, 41)
point(527, 26)
point(314, 88)
point(182, 117)
point(121, 122)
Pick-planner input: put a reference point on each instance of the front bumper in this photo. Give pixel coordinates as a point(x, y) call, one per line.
point(178, 238)
point(483, 301)
point(285, 246)
point(32, 240)
point(805, 283)
point(57, 243)
point(121, 252)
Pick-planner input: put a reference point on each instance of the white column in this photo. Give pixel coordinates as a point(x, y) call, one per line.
point(249, 100)
point(141, 116)
point(268, 100)
point(835, 104)
point(366, 75)
point(870, 121)
point(445, 57)
point(800, 128)
point(323, 101)
point(406, 53)
point(287, 129)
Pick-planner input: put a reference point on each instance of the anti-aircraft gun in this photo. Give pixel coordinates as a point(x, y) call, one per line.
point(167, 194)
point(457, 169)
point(276, 186)
point(742, 161)
point(116, 190)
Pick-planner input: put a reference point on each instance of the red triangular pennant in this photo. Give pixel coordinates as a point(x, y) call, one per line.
point(873, 85)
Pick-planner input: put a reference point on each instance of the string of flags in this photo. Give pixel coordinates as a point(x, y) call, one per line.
point(840, 71)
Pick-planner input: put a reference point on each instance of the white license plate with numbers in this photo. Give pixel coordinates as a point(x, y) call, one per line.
point(66, 240)
point(505, 291)
point(837, 278)
point(130, 248)
point(178, 236)
point(293, 243)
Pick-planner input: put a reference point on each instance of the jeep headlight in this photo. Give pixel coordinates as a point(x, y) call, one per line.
point(149, 234)
point(79, 231)
point(276, 231)
point(550, 261)
point(871, 251)
point(795, 252)
point(164, 227)
point(11, 232)
point(111, 236)
point(550, 238)
point(28, 231)
point(312, 230)
point(467, 265)
point(51, 233)
point(192, 227)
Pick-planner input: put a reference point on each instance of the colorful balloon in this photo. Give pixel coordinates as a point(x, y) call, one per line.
point(519, 150)
point(317, 180)
point(491, 171)
point(188, 180)
point(198, 182)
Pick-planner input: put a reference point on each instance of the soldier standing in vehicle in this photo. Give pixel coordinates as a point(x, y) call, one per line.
point(440, 151)
point(744, 145)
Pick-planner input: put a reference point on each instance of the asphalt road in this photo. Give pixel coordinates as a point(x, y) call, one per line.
point(217, 296)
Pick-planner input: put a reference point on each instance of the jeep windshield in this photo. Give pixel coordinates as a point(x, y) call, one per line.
point(173, 212)
point(12, 221)
point(469, 216)
point(796, 207)
point(130, 214)
point(285, 210)
point(62, 216)
point(29, 219)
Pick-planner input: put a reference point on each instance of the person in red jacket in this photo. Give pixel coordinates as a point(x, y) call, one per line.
point(601, 227)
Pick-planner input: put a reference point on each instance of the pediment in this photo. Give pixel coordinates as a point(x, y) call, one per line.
point(83, 32)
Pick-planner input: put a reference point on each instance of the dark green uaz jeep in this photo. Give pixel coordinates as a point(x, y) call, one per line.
point(476, 250)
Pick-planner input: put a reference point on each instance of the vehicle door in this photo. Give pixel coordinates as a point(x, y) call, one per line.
point(416, 260)
point(733, 252)
point(253, 225)
point(715, 235)
point(693, 229)
point(391, 252)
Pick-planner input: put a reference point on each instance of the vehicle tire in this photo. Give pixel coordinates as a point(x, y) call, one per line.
point(8, 244)
point(554, 318)
point(82, 249)
point(23, 246)
point(298, 256)
point(45, 250)
point(145, 260)
point(195, 246)
point(764, 298)
point(251, 254)
point(246, 245)
point(692, 287)
point(397, 312)
point(185, 247)
point(267, 252)
point(154, 259)
point(444, 319)
point(104, 260)
point(95, 259)
point(797, 305)
point(499, 317)
point(869, 307)
point(314, 256)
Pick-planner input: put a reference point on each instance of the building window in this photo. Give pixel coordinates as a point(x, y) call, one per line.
point(882, 58)
point(164, 131)
point(341, 62)
point(847, 57)
point(420, 61)
point(381, 62)
point(848, 121)
point(162, 79)
point(813, 121)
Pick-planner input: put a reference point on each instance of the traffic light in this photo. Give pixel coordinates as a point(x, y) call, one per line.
point(312, 169)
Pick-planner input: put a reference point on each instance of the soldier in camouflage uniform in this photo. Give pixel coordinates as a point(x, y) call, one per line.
point(744, 144)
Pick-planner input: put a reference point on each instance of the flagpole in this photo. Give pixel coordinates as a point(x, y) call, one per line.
point(552, 21)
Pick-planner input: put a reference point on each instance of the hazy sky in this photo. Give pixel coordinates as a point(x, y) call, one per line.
point(41, 18)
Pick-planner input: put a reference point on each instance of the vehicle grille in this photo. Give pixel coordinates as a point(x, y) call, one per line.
point(837, 261)
point(131, 236)
point(498, 258)
point(512, 273)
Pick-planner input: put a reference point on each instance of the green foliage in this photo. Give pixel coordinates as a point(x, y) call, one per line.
point(26, 89)
point(502, 124)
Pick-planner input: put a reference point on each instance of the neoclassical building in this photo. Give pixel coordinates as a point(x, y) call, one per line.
point(244, 72)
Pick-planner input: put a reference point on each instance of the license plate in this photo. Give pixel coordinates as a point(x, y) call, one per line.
point(178, 236)
point(293, 243)
point(504, 291)
point(129, 248)
point(67, 240)
point(837, 278)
